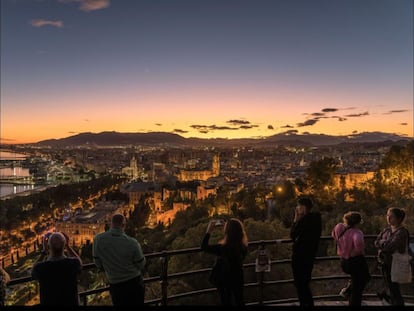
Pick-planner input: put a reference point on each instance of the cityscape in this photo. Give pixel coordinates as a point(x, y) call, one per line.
point(151, 185)
point(176, 113)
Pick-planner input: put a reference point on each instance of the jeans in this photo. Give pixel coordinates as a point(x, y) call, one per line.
point(357, 268)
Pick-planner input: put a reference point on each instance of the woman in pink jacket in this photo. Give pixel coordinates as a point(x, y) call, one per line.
point(351, 248)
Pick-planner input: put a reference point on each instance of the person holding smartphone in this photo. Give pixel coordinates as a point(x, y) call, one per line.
point(233, 248)
point(57, 273)
point(305, 234)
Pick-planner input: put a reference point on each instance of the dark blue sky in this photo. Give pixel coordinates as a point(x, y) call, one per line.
point(180, 63)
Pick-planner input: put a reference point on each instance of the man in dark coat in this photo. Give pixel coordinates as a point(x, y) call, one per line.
point(305, 233)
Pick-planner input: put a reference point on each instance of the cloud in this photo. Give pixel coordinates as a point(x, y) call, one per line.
point(317, 114)
point(89, 5)
point(339, 118)
point(287, 126)
point(72, 132)
point(247, 127)
point(86, 120)
point(179, 131)
point(238, 122)
point(158, 124)
point(199, 127)
point(270, 127)
point(329, 109)
point(207, 128)
point(44, 22)
point(354, 132)
point(308, 122)
point(354, 115)
point(404, 123)
point(395, 111)
point(214, 127)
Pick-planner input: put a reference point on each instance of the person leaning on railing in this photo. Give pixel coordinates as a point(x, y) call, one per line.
point(123, 261)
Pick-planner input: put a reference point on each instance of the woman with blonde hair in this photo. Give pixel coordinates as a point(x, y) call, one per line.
point(351, 249)
point(395, 237)
point(232, 250)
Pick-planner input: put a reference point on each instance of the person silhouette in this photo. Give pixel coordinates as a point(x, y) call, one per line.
point(123, 261)
point(232, 249)
point(57, 274)
point(305, 234)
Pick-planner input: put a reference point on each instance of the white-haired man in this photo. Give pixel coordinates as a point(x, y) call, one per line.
point(58, 274)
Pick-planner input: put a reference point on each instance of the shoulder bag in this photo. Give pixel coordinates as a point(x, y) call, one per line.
point(401, 267)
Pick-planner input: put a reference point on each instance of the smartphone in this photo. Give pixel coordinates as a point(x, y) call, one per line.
point(220, 222)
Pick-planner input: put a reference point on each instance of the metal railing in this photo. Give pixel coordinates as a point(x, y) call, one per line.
point(164, 277)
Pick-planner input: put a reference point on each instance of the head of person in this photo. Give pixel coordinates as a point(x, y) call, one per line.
point(395, 216)
point(118, 221)
point(304, 205)
point(352, 219)
point(56, 243)
point(234, 233)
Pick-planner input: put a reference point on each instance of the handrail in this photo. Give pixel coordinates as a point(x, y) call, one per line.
point(164, 276)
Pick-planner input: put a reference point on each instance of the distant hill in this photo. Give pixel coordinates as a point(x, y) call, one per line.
point(323, 140)
point(163, 138)
point(115, 139)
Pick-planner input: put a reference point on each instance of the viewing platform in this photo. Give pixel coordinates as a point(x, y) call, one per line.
point(325, 286)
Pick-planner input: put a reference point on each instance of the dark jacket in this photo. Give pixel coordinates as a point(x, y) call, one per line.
point(235, 257)
point(58, 280)
point(387, 242)
point(306, 234)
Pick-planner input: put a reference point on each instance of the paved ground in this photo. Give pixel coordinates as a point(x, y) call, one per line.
point(342, 303)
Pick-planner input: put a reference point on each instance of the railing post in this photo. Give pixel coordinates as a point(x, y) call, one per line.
point(261, 275)
point(262, 266)
point(85, 300)
point(164, 278)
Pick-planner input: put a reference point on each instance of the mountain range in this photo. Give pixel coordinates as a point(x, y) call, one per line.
point(170, 139)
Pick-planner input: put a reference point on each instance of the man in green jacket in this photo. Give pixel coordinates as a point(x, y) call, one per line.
point(123, 261)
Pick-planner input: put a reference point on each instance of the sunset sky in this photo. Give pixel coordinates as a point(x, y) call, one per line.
point(205, 68)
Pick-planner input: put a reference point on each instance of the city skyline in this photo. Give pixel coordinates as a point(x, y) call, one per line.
point(208, 69)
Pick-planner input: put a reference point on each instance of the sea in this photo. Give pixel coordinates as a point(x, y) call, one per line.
point(9, 189)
